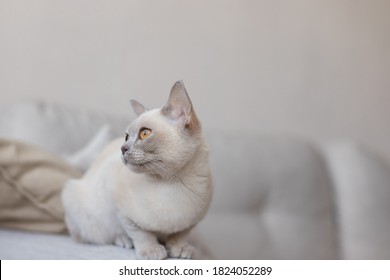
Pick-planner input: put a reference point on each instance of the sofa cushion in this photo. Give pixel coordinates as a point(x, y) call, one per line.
point(362, 195)
point(59, 129)
point(273, 198)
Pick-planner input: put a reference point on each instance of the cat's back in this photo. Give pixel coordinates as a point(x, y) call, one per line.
point(98, 174)
point(112, 153)
point(102, 171)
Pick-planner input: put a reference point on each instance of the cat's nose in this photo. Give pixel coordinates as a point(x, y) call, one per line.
point(124, 149)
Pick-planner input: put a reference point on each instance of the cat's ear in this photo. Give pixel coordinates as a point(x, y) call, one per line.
point(179, 107)
point(137, 107)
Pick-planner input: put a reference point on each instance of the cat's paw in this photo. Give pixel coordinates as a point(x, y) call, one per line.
point(181, 250)
point(124, 241)
point(152, 252)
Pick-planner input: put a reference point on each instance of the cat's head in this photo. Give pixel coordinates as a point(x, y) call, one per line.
point(162, 141)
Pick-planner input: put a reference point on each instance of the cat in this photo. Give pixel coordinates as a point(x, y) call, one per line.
point(148, 190)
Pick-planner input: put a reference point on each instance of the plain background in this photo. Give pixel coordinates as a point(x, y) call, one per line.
point(314, 69)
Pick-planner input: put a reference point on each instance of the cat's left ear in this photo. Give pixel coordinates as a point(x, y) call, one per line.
point(179, 107)
point(137, 107)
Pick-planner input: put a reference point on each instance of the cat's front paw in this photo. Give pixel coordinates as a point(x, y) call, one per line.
point(152, 252)
point(124, 241)
point(181, 250)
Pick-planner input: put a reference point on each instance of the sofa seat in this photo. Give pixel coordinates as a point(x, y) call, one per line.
point(276, 196)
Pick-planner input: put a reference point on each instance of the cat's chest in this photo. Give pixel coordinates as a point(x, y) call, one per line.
point(161, 207)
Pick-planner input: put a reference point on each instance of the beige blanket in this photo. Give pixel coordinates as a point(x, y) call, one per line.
point(31, 181)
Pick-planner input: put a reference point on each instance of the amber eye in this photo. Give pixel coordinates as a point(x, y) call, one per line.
point(126, 137)
point(144, 133)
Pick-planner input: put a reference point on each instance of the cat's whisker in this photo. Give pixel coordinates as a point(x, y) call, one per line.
point(162, 167)
point(158, 165)
point(148, 169)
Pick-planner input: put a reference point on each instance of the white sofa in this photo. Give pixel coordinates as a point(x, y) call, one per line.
point(276, 197)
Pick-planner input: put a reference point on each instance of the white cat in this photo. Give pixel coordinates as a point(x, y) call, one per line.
point(150, 191)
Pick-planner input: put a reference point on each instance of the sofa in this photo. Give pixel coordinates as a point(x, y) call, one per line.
point(275, 197)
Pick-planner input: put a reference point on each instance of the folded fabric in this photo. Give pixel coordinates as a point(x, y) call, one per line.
point(31, 181)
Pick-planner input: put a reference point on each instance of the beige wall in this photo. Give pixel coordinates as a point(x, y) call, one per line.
point(320, 69)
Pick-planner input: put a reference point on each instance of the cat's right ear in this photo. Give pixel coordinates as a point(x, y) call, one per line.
point(137, 107)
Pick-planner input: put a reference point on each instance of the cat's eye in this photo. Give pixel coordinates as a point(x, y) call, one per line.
point(126, 136)
point(144, 133)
